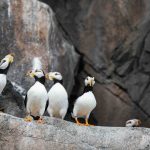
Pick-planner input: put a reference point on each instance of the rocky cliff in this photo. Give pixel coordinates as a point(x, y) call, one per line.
point(30, 29)
point(105, 39)
point(112, 38)
point(57, 134)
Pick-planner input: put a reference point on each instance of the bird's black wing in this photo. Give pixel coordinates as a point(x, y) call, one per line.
point(47, 103)
point(25, 101)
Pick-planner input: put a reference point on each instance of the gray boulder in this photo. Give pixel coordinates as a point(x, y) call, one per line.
point(29, 29)
point(113, 38)
point(55, 134)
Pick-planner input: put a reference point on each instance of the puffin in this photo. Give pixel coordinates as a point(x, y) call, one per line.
point(58, 97)
point(4, 67)
point(133, 123)
point(84, 104)
point(36, 98)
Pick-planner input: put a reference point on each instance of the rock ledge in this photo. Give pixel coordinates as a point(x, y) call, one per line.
point(56, 134)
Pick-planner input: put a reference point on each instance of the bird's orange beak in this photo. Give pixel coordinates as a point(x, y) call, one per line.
point(12, 54)
point(30, 74)
point(47, 76)
point(10, 57)
point(50, 76)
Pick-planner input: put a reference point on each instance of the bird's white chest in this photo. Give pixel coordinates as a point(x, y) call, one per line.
point(85, 104)
point(37, 98)
point(58, 97)
point(3, 81)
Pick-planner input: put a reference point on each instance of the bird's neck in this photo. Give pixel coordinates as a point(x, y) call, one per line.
point(58, 81)
point(41, 80)
point(4, 71)
point(88, 88)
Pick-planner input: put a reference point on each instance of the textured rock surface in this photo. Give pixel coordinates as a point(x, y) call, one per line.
point(59, 135)
point(11, 101)
point(56, 134)
point(29, 29)
point(113, 39)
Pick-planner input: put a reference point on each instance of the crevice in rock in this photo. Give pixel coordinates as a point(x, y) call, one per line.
point(142, 47)
point(121, 99)
point(138, 105)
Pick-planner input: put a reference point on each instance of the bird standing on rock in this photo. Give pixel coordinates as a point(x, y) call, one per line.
point(4, 66)
point(36, 97)
point(85, 103)
point(58, 97)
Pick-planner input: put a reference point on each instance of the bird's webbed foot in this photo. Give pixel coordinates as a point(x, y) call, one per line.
point(40, 120)
point(78, 123)
point(87, 123)
point(28, 119)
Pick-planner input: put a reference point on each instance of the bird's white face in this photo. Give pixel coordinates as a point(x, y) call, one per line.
point(133, 122)
point(36, 73)
point(6, 61)
point(89, 81)
point(54, 76)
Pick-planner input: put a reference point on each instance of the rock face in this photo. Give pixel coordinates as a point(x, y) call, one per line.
point(29, 29)
point(59, 135)
point(113, 40)
point(12, 102)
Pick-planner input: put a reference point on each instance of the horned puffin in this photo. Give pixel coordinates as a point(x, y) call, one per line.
point(85, 103)
point(133, 123)
point(36, 97)
point(58, 97)
point(4, 66)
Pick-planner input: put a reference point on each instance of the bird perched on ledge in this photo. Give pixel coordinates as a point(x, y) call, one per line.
point(133, 123)
point(36, 97)
point(85, 103)
point(58, 97)
point(4, 66)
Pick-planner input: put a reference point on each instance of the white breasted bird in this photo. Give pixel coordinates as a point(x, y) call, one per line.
point(4, 66)
point(58, 97)
point(133, 123)
point(36, 98)
point(85, 103)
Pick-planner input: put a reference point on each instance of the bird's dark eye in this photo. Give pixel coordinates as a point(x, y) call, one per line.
point(37, 71)
point(56, 74)
point(3, 61)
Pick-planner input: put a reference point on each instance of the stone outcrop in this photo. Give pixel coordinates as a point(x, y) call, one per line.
point(29, 29)
point(113, 40)
point(57, 134)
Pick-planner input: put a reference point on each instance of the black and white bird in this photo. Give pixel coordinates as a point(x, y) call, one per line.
point(133, 123)
point(85, 103)
point(4, 66)
point(36, 98)
point(58, 97)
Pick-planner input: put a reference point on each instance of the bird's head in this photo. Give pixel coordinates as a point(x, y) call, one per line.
point(6, 61)
point(54, 76)
point(133, 123)
point(37, 74)
point(89, 81)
